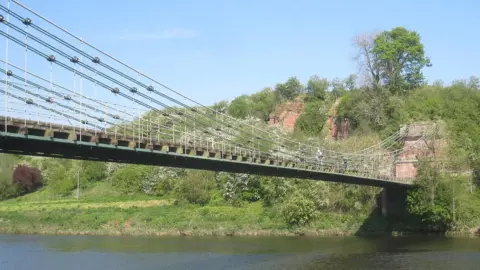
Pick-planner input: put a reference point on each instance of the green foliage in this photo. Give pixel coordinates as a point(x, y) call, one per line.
point(288, 90)
point(59, 175)
point(61, 180)
point(92, 171)
point(394, 94)
point(274, 190)
point(378, 110)
point(195, 188)
point(240, 107)
point(221, 106)
point(298, 210)
point(240, 187)
point(431, 199)
point(311, 122)
point(317, 87)
point(263, 103)
point(401, 58)
point(129, 179)
point(7, 188)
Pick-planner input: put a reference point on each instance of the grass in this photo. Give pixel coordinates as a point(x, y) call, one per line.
point(101, 212)
point(161, 219)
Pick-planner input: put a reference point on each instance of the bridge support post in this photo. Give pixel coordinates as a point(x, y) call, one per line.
point(383, 202)
point(393, 202)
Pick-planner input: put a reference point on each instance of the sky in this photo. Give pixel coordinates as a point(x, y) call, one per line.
point(217, 49)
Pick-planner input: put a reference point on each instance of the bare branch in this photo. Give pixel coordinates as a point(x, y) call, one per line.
point(365, 58)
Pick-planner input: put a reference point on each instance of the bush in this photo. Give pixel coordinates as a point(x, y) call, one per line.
point(61, 180)
point(274, 190)
point(298, 210)
point(241, 187)
point(27, 178)
point(93, 171)
point(196, 188)
point(7, 188)
point(129, 179)
point(162, 180)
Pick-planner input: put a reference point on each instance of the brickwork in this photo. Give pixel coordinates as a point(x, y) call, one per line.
point(412, 148)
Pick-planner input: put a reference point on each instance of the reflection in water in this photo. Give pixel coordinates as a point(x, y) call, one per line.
point(93, 252)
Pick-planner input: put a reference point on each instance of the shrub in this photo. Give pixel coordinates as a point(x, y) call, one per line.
point(129, 179)
point(61, 180)
point(93, 171)
point(298, 210)
point(27, 178)
point(195, 188)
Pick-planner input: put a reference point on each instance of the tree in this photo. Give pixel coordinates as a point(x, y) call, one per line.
point(350, 82)
point(392, 58)
point(367, 59)
point(317, 87)
point(263, 103)
point(401, 58)
point(288, 90)
point(240, 107)
point(220, 106)
point(431, 198)
point(474, 83)
point(338, 87)
point(311, 122)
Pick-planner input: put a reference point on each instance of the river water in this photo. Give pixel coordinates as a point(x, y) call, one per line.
point(94, 252)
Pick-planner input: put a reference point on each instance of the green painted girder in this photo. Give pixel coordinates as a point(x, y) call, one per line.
point(16, 143)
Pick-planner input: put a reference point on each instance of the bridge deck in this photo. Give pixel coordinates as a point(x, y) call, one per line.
point(53, 140)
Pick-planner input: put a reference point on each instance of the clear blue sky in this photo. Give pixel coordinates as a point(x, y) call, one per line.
point(213, 50)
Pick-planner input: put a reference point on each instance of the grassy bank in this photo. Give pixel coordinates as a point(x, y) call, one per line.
point(158, 217)
point(101, 211)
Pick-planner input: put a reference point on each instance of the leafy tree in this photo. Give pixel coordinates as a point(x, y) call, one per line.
point(431, 199)
point(313, 119)
point(317, 87)
point(263, 103)
point(338, 87)
point(288, 90)
point(472, 83)
point(240, 107)
point(401, 58)
point(221, 106)
point(274, 189)
point(350, 83)
point(393, 58)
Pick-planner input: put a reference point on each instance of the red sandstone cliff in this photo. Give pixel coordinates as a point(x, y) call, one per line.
point(287, 114)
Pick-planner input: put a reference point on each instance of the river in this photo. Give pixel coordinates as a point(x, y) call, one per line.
point(18, 252)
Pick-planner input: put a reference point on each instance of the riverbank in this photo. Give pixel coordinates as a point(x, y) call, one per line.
point(160, 217)
point(154, 216)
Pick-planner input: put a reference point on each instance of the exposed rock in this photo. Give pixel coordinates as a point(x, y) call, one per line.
point(287, 114)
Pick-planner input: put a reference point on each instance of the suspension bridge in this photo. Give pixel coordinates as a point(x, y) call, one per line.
point(64, 97)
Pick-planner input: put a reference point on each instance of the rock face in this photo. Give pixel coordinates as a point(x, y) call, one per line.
point(339, 129)
point(287, 114)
